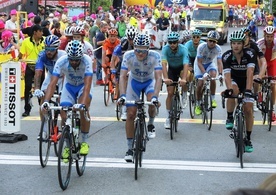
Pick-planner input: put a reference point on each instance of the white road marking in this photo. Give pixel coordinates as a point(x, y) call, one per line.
point(150, 164)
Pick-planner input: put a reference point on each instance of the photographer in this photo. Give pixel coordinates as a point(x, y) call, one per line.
point(149, 23)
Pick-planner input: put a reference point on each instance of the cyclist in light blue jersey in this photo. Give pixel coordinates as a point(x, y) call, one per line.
point(145, 74)
point(77, 86)
point(205, 67)
point(175, 62)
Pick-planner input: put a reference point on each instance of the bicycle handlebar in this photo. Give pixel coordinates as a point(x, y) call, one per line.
point(67, 108)
point(139, 102)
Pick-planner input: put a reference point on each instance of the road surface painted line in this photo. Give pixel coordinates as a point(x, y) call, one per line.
point(150, 164)
point(182, 120)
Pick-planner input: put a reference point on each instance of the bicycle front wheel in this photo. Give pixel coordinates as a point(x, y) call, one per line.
point(173, 115)
point(44, 139)
point(118, 111)
point(210, 111)
point(80, 164)
point(106, 92)
point(137, 146)
point(192, 99)
point(269, 110)
point(65, 158)
point(240, 128)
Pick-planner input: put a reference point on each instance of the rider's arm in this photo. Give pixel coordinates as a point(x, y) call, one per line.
point(200, 65)
point(220, 66)
point(86, 91)
point(185, 64)
point(165, 69)
point(123, 81)
point(158, 82)
point(39, 70)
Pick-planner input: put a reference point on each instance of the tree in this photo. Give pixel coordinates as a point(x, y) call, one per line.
point(103, 3)
point(273, 6)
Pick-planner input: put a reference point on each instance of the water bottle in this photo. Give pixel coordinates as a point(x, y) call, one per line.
point(76, 128)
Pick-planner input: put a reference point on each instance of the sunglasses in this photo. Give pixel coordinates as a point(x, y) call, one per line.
point(212, 41)
point(74, 59)
point(196, 37)
point(51, 49)
point(143, 51)
point(172, 42)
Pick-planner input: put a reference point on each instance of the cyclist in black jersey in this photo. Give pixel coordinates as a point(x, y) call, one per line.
point(238, 69)
point(260, 68)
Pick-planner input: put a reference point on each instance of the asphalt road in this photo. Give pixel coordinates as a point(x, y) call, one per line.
point(197, 161)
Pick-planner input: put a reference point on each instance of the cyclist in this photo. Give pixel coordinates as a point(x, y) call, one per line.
point(116, 59)
point(175, 57)
point(260, 65)
point(79, 34)
point(145, 75)
point(268, 47)
point(108, 47)
point(185, 36)
point(238, 69)
point(191, 46)
point(68, 36)
point(254, 29)
point(204, 67)
point(77, 87)
point(47, 59)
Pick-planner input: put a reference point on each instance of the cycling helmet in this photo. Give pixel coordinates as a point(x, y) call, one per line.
point(142, 40)
point(186, 34)
point(237, 35)
point(269, 30)
point(69, 31)
point(246, 31)
point(52, 41)
point(196, 32)
point(78, 31)
point(75, 49)
point(112, 32)
point(131, 32)
point(173, 36)
point(213, 35)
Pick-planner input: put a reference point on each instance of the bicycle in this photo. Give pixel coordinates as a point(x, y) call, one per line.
point(52, 133)
point(238, 133)
point(69, 144)
point(206, 103)
point(192, 97)
point(264, 102)
point(111, 90)
point(141, 132)
point(176, 109)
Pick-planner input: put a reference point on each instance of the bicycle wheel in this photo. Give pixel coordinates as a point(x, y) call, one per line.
point(240, 128)
point(264, 106)
point(173, 115)
point(192, 99)
point(142, 141)
point(269, 110)
point(65, 158)
point(80, 162)
point(118, 111)
point(44, 140)
point(56, 131)
point(210, 112)
point(137, 145)
point(106, 92)
point(205, 105)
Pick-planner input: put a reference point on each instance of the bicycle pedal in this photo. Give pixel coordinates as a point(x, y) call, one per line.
point(231, 135)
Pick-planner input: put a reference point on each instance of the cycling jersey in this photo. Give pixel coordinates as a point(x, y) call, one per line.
point(207, 54)
point(191, 48)
point(141, 71)
point(72, 76)
point(44, 62)
point(175, 59)
point(122, 48)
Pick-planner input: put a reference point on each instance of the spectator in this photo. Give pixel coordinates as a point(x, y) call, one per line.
point(162, 25)
point(46, 25)
point(11, 24)
point(31, 17)
point(121, 26)
point(56, 30)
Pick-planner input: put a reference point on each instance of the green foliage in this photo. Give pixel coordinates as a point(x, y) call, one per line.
point(273, 6)
point(105, 4)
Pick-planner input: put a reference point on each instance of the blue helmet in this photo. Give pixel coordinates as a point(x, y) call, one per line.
point(52, 41)
point(173, 36)
point(197, 32)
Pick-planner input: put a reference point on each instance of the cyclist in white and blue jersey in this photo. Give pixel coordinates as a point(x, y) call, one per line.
point(77, 86)
point(175, 62)
point(145, 74)
point(205, 67)
point(117, 56)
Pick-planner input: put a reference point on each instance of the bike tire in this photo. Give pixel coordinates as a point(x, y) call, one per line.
point(106, 92)
point(192, 99)
point(137, 143)
point(65, 164)
point(142, 141)
point(118, 111)
point(264, 106)
point(80, 164)
point(45, 143)
point(55, 123)
point(269, 110)
point(240, 128)
point(173, 116)
point(210, 111)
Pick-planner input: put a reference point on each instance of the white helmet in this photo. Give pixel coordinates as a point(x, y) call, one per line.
point(75, 49)
point(131, 32)
point(69, 31)
point(142, 39)
point(269, 30)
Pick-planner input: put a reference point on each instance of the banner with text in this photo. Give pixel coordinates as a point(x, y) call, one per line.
point(10, 107)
